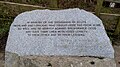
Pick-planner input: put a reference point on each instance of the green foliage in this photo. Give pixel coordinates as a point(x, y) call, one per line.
point(106, 10)
point(71, 3)
point(34, 2)
point(4, 26)
point(83, 5)
point(117, 31)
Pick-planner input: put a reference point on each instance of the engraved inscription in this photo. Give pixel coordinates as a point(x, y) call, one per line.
point(56, 28)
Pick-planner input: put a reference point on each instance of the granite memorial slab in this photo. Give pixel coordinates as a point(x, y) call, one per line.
point(69, 32)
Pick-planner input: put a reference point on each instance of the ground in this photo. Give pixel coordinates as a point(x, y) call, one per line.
point(117, 55)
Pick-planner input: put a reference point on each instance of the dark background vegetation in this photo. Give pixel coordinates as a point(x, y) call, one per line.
point(9, 12)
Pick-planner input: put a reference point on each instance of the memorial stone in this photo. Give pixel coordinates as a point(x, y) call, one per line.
point(69, 32)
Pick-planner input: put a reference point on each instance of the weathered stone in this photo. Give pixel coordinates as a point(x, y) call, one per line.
point(11, 60)
point(57, 61)
point(71, 32)
point(2, 56)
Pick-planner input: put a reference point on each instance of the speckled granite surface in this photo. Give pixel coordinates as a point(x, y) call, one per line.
point(87, 37)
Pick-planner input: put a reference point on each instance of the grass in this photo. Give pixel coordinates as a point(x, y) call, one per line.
point(4, 26)
point(110, 10)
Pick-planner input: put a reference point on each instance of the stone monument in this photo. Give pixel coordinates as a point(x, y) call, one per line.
point(69, 32)
point(58, 38)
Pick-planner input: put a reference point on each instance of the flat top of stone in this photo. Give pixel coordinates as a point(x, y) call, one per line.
point(71, 32)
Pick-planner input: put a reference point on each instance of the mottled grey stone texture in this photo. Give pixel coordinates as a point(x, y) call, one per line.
point(94, 43)
point(13, 60)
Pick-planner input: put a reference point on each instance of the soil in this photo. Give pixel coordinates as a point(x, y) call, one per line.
point(3, 42)
point(117, 55)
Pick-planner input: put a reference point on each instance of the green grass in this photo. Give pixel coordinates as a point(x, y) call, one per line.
point(110, 10)
point(4, 26)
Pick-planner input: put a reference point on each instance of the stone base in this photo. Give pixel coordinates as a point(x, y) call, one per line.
point(13, 60)
point(2, 56)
